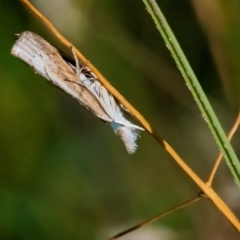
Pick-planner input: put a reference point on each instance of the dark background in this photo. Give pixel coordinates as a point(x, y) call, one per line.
point(65, 175)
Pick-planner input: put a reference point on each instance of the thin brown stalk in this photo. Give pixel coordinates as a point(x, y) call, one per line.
point(157, 217)
point(218, 161)
point(208, 191)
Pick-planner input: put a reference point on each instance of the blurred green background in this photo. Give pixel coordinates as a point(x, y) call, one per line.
point(65, 175)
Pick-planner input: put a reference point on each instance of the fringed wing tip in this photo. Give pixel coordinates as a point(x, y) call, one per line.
point(129, 136)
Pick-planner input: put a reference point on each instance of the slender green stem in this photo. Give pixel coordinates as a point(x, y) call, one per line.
point(195, 88)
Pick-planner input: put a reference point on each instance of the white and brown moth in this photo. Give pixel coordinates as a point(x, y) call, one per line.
point(78, 81)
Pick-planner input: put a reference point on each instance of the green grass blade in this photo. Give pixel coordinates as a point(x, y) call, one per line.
point(195, 88)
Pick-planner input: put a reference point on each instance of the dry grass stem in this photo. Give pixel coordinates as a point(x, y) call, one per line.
point(210, 193)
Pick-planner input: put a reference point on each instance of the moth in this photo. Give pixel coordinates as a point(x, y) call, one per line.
point(74, 78)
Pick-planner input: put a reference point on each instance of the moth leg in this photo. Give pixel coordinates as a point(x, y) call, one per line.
point(78, 68)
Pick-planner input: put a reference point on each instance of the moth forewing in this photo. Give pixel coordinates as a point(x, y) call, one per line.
point(46, 61)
